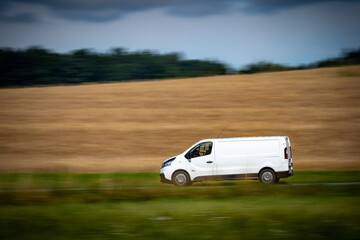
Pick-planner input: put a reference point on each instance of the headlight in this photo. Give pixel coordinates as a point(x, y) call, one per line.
point(167, 162)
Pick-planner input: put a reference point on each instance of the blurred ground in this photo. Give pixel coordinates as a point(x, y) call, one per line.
point(138, 206)
point(135, 126)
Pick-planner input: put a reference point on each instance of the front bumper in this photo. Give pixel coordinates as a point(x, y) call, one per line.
point(163, 179)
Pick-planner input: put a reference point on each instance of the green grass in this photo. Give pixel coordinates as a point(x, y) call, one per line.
point(74, 180)
point(106, 180)
point(247, 217)
point(209, 210)
point(323, 176)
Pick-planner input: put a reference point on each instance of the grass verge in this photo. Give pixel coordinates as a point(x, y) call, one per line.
point(247, 217)
point(210, 210)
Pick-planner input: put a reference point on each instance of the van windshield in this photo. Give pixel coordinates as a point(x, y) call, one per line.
point(201, 149)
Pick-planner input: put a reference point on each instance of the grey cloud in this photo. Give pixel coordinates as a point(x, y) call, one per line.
point(7, 15)
point(100, 15)
point(107, 10)
point(93, 10)
point(200, 8)
point(270, 6)
point(24, 17)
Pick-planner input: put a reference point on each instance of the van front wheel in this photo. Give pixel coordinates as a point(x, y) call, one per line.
point(181, 178)
point(267, 176)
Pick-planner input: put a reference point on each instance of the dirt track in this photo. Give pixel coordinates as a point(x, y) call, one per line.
point(135, 126)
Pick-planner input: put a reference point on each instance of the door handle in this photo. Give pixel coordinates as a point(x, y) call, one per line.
point(209, 161)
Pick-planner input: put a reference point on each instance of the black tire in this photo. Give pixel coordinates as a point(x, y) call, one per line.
point(267, 176)
point(181, 178)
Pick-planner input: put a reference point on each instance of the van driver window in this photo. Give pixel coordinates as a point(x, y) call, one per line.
point(201, 150)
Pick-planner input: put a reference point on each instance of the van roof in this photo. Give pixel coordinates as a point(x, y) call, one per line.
point(246, 138)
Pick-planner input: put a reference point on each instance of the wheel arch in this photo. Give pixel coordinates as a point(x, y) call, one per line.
point(178, 170)
point(264, 168)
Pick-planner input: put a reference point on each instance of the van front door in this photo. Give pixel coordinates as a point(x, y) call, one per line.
point(201, 160)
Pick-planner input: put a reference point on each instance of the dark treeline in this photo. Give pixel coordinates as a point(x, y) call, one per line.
point(348, 57)
point(38, 66)
point(265, 67)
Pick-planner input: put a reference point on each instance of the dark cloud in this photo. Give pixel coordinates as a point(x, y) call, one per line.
point(92, 10)
point(7, 14)
point(23, 17)
point(107, 10)
point(270, 6)
point(200, 8)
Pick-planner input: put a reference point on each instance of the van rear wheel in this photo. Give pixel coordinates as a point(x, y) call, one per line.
point(267, 176)
point(181, 178)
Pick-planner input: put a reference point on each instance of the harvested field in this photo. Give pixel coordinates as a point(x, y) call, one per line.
point(134, 126)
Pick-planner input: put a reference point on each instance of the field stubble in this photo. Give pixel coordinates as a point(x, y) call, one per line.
point(134, 126)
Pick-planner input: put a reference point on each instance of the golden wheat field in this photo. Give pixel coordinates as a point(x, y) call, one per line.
point(134, 126)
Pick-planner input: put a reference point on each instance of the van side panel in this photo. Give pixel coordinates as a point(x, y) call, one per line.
point(267, 154)
point(230, 158)
point(247, 156)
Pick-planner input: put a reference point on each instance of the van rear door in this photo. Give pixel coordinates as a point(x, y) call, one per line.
point(288, 155)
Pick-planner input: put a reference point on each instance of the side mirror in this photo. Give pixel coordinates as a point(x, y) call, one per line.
point(187, 156)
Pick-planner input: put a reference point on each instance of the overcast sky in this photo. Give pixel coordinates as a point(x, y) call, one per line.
point(236, 32)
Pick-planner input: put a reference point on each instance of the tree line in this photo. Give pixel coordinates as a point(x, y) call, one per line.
point(38, 66)
point(348, 57)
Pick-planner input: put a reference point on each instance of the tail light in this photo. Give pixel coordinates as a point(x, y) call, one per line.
point(286, 153)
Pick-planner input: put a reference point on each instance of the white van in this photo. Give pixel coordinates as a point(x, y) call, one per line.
point(265, 158)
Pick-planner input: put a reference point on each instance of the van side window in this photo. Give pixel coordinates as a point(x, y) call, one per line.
point(201, 150)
